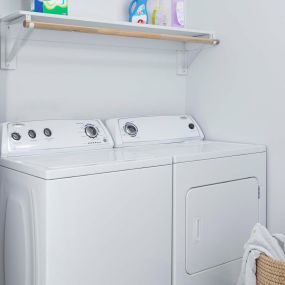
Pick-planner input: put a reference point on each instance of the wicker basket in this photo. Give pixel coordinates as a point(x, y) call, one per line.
point(269, 271)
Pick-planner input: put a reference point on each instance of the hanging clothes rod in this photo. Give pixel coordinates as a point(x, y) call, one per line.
point(116, 32)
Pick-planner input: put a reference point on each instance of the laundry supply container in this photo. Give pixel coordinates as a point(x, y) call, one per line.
point(270, 271)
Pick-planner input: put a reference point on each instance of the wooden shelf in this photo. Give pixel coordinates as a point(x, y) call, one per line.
point(31, 21)
point(125, 29)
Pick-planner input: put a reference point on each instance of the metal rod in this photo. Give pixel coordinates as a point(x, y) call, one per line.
point(115, 32)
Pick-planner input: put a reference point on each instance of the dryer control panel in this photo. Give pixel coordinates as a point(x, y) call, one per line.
point(38, 136)
point(153, 130)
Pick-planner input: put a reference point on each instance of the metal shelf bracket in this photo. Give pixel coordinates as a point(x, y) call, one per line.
point(13, 38)
point(186, 56)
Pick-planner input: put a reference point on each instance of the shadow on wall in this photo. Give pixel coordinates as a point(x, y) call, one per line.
point(3, 98)
point(7, 6)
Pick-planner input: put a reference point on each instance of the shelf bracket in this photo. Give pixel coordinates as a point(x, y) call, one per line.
point(187, 55)
point(185, 58)
point(11, 44)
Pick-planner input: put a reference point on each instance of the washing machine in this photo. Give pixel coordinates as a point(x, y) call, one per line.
point(219, 193)
point(76, 211)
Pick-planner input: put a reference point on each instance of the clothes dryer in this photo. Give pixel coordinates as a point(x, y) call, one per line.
point(219, 193)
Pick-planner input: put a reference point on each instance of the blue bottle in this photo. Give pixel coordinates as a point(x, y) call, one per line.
point(138, 12)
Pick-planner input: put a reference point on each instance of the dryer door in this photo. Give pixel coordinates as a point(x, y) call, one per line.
point(214, 215)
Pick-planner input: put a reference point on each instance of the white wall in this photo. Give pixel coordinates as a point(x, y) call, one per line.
point(63, 75)
point(237, 91)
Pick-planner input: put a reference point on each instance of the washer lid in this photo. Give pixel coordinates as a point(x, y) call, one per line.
point(64, 165)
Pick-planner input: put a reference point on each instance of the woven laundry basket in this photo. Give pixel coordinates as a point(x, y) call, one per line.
point(269, 271)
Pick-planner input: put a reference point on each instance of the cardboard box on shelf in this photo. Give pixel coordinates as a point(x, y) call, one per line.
point(59, 7)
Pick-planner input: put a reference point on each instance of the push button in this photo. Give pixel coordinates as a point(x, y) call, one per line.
point(191, 126)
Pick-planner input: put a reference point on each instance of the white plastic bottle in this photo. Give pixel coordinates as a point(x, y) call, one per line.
point(159, 16)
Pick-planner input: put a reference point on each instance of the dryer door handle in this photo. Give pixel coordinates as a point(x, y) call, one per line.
point(196, 229)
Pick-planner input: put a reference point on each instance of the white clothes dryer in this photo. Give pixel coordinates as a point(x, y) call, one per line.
point(75, 211)
point(219, 193)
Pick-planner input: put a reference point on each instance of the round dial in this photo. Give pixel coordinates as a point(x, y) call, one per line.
point(131, 129)
point(47, 132)
point(91, 132)
point(16, 136)
point(32, 134)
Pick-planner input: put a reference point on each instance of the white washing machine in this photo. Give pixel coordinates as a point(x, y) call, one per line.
point(219, 193)
point(75, 211)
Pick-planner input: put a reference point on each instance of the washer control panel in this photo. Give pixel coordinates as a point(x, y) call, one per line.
point(151, 130)
point(32, 137)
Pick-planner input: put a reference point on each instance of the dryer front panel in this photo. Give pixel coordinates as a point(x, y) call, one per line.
point(219, 219)
point(216, 203)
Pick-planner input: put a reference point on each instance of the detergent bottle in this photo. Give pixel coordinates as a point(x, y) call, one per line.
point(138, 12)
point(178, 16)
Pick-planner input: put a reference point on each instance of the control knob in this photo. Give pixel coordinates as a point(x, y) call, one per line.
point(16, 136)
point(131, 129)
point(32, 134)
point(91, 131)
point(47, 132)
